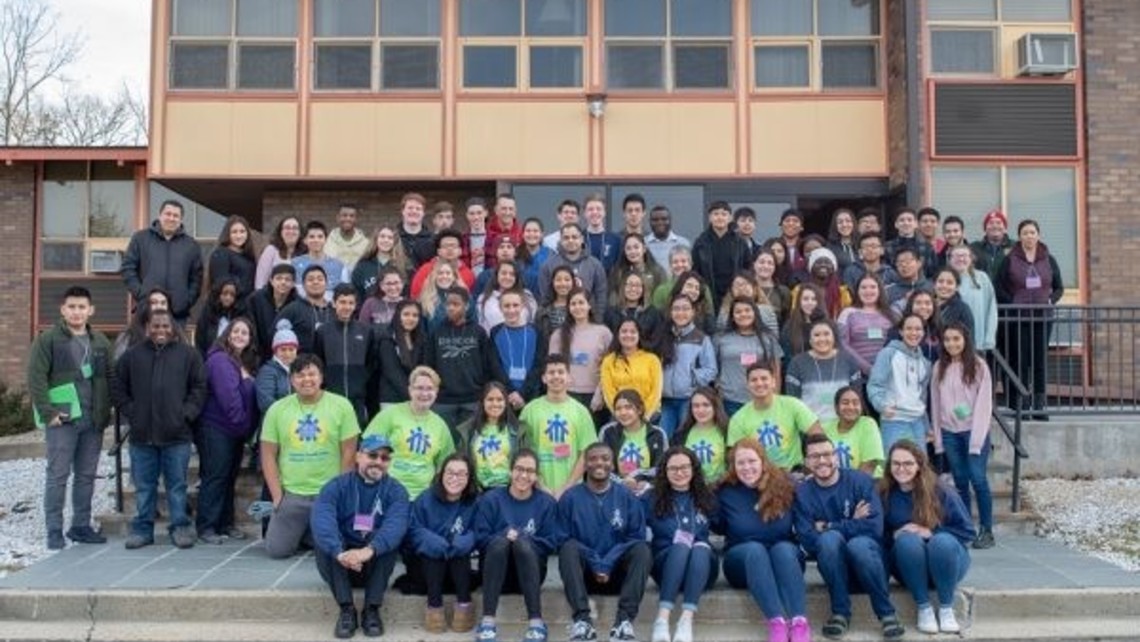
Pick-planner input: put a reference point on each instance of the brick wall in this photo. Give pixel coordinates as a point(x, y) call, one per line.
point(378, 207)
point(17, 219)
point(897, 116)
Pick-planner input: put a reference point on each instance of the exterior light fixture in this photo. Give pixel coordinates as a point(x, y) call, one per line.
point(596, 104)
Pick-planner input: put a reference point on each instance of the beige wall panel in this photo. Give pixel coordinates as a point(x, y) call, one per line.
point(198, 138)
point(686, 138)
point(819, 137)
point(369, 139)
point(522, 139)
point(254, 138)
point(1010, 33)
point(265, 139)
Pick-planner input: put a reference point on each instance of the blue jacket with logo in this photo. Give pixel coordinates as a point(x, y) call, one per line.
point(441, 529)
point(605, 524)
point(344, 497)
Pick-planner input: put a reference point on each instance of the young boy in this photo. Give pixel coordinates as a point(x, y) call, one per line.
point(459, 349)
point(719, 253)
point(69, 374)
point(776, 420)
point(316, 235)
point(348, 349)
point(560, 429)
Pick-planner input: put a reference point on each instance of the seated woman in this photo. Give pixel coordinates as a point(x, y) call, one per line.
point(637, 445)
point(629, 365)
point(516, 529)
point(754, 513)
point(927, 530)
point(441, 541)
point(677, 512)
point(705, 432)
point(493, 436)
point(858, 442)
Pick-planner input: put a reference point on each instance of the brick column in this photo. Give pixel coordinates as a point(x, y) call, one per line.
point(17, 225)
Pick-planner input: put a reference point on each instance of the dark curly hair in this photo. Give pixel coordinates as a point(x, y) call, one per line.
point(663, 500)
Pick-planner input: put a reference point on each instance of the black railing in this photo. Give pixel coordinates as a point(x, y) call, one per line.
point(116, 451)
point(1013, 434)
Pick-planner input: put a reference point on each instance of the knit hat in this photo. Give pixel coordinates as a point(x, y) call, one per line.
point(506, 238)
point(789, 213)
point(283, 268)
point(284, 335)
point(991, 215)
point(821, 253)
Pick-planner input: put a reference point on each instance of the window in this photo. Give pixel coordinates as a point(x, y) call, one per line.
point(200, 221)
point(956, 10)
point(84, 202)
point(963, 51)
point(1008, 10)
point(233, 44)
point(669, 44)
point(523, 43)
point(965, 34)
point(815, 44)
point(376, 45)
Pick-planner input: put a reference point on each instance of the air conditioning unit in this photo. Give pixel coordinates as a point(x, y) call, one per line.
point(1046, 54)
point(105, 261)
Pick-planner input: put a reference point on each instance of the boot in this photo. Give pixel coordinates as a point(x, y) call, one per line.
point(463, 618)
point(434, 620)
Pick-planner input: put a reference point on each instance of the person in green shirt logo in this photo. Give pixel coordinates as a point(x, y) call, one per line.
point(637, 445)
point(858, 442)
point(704, 430)
point(776, 421)
point(559, 428)
point(494, 431)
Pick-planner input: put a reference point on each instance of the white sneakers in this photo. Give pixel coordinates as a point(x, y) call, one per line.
point(660, 631)
point(684, 632)
point(947, 623)
point(927, 623)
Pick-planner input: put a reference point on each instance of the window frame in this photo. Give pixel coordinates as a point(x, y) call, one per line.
point(994, 29)
point(233, 43)
point(522, 44)
point(86, 242)
point(999, 25)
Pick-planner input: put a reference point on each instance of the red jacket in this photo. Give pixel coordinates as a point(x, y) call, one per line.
point(494, 231)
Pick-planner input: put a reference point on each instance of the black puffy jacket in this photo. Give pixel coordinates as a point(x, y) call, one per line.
point(173, 264)
point(161, 390)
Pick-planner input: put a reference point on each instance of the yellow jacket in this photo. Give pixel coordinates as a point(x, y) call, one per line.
point(641, 371)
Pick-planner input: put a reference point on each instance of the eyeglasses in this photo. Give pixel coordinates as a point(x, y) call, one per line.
point(679, 469)
point(904, 464)
point(525, 471)
point(820, 456)
point(379, 455)
point(456, 474)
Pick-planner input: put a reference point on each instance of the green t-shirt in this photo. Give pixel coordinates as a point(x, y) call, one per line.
point(707, 443)
point(861, 444)
point(308, 439)
point(419, 445)
point(559, 433)
point(778, 428)
point(633, 456)
point(491, 452)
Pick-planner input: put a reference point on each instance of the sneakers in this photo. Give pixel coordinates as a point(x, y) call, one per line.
point(660, 631)
point(371, 623)
point(583, 631)
point(210, 537)
point(535, 633)
point(684, 632)
point(777, 630)
point(134, 540)
point(892, 628)
point(836, 626)
point(85, 535)
point(463, 619)
point(183, 536)
point(985, 539)
point(926, 620)
point(947, 623)
point(233, 532)
point(801, 630)
point(55, 540)
point(486, 633)
point(434, 620)
point(623, 632)
point(345, 623)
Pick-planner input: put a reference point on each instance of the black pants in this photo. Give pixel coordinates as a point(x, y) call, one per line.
point(512, 567)
point(437, 573)
point(1028, 339)
point(627, 579)
point(373, 578)
point(220, 462)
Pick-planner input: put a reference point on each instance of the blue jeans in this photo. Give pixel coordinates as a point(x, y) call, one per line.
point(857, 563)
point(681, 569)
point(774, 575)
point(147, 463)
point(220, 463)
point(970, 470)
point(673, 410)
point(942, 560)
point(897, 429)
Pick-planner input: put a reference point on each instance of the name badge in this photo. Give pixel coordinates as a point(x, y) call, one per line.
point(628, 467)
point(747, 358)
point(684, 538)
point(87, 371)
point(362, 522)
point(517, 373)
point(1032, 282)
point(562, 451)
point(874, 333)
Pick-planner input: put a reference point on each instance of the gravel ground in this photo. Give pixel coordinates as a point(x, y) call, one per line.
point(1100, 517)
point(22, 533)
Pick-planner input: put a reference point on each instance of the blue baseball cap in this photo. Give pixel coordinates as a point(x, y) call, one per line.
point(373, 443)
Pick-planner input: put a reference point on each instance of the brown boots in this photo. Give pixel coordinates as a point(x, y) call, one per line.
point(434, 620)
point(462, 620)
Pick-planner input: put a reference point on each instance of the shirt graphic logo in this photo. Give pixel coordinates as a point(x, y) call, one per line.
point(843, 452)
point(704, 451)
point(457, 527)
point(418, 441)
point(616, 521)
point(489, 446)
point(530, 527)
point(557, 430)
point(769, 435)
point(308, 428)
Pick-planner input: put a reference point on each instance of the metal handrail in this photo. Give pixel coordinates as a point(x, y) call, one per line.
point(116, 451)
point(1014, 434)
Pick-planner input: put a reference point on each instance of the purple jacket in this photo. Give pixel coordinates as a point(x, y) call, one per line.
point(231, 402)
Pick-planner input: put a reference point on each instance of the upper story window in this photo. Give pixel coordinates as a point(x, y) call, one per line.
point(965, 34)
point(668, 44)
point(86, 206)
point(813, 45)
point(373, 45)
point(535, 44)
point(233, 44)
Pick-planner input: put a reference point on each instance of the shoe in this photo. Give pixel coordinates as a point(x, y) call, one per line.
point(434, 619)
point(463, 618)
point(836, 626)
point(947, 623)
point(210, 537)
point(233, 532)
point(623, 632)
point(684, 632)
point(583, 631)
point(660, 631)
point(134, 540)
point(183, 536)
point(345, 622)
point(486, 633)
point(892, 628)
point(85, 535)
point(985, 539)
point(535, 633)
point(371, 623)
point(801, 630)
point(927, 623)
point(55, 540)
point(777, 630)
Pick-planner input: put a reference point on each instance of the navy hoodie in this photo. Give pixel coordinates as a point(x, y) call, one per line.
point(535, 518)
point(605, 524)
point(441, 529)
point(955, 518)
point(835, 505)
point(349, 494)
point(464, 357)
point(738, 518)
point(683, 516)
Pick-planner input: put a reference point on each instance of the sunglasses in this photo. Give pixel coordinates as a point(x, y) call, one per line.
point(382, 456)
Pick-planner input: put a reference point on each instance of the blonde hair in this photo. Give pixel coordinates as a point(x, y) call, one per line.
point(429, 295)
point(423, 371)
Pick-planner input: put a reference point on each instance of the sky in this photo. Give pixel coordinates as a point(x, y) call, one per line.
point(116, 37)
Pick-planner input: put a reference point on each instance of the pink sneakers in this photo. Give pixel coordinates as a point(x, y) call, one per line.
point(777, 630)
point(801, 629)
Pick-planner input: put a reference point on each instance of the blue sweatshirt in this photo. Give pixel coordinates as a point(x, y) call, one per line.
point(605, 524)
point(348, 495)
point(441, 529)
point(836, 505)
point(955, 519)
point(738, 518)
point(684, 516)
point(535, 518)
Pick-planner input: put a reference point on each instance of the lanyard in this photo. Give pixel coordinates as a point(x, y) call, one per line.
point(511, 348)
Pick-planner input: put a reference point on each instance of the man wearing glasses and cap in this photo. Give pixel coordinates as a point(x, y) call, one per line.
point(358, 522)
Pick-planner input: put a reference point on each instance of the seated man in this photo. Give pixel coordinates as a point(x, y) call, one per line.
point(839, 519)
point(307, 438)
point(358, 522)
point(605, 549)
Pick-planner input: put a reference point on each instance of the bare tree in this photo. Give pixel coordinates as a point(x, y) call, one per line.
point(88, 120)
point(34, 51)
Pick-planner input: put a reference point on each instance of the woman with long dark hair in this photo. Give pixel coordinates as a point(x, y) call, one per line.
point(688, 358)
point(858, 441)
point(493, 436)
point(401, 349)
point(744, 342)
point(765, 268)
point(285, 242)
point(584, 341)
point(223, 305)
point(899, 385)
point(951, 307)
point(677, 511)
point(628, 365)
point(532, 253)
point(632, 302)
point(635, 258)
point(865, 326)
point(795, 336)
point(506, 278)
point(552, 310)
point(637, 445)
point(234, 256)
point(816, 375)
point(705, 432)
point(384, 250)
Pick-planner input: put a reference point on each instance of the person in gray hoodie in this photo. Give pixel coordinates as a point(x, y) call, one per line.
point(899, 385)
point(689, 359)
point(588, 271)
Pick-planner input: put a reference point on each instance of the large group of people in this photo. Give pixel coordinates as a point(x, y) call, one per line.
point(634, 404)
